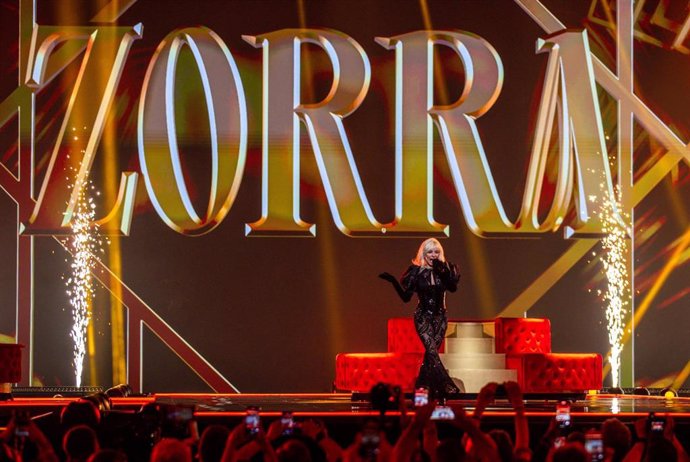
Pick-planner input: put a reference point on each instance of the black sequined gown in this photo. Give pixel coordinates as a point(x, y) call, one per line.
point(430, 320)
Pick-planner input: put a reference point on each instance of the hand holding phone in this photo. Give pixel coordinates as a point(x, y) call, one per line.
point(421, 397)
point(287, 421)
point(370, 441)
point(252, 421)
point(594, 445)
point(442, 413)
point(655, 424)
point(563, 414)
point(22, 420)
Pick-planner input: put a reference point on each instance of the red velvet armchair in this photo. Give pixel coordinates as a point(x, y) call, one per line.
point(527, 345)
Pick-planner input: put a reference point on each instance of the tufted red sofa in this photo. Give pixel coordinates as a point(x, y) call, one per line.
point(527, 345)
point(403, 338)
point(361, 371)
point(399, 366)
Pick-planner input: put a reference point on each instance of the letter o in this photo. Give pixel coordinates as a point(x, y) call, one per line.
point(159, 155)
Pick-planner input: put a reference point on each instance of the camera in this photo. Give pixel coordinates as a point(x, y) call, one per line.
point(421, 397)
point(385, 397)
point(563, 414)
point(252, 421)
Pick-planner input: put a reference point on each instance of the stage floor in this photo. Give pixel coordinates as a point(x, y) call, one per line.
point(343, 405)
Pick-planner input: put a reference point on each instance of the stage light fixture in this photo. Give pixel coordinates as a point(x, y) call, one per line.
point(641, 391)
point(668, 392)
point(122, 390)
point(616, 391)
point(100, 400)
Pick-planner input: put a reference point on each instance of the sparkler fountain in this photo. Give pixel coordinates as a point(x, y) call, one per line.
point(615, 246)
point(84, 244)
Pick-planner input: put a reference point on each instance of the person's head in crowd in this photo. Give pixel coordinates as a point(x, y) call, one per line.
point(108, 455)
point(212, 443)
point(570, 452)
point(660, 450)
point(171, 450)
point(450, 450)
point(79, 443)
point(616, 435)
point(80, 412)
point(293, 450)
point(504, 444)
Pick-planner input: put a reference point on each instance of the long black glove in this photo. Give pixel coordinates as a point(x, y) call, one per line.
point(440, 267)
point(448, 273)
point(404, 296)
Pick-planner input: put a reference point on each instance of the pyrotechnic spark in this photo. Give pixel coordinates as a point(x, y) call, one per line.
point(83, 245)
point(617, 295)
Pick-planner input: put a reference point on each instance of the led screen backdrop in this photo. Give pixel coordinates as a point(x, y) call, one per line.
point(256, 164)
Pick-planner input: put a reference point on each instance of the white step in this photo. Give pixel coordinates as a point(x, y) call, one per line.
point(469, 345)
point(473, 361)
point(465, 330)
point(474, 379)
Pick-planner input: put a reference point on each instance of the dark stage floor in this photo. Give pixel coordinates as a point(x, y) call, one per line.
point(343, 405)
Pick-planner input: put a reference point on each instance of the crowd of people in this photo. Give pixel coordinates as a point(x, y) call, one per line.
point(81, 433)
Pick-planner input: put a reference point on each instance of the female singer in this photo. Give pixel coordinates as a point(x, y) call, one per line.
point(429, 276)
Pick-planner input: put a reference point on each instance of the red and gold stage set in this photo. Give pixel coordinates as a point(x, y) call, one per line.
point(525, 342)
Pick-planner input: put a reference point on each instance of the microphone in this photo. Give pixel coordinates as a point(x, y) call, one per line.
point(438, 265)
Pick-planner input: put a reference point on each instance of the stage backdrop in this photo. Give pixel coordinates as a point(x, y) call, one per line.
point(256, 165)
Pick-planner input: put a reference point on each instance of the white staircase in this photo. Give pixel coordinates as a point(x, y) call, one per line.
point(470, 356)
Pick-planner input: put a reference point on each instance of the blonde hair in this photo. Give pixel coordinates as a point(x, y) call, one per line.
point(425, 247)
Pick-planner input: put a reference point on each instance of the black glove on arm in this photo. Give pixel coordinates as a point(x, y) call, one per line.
point(404, 295)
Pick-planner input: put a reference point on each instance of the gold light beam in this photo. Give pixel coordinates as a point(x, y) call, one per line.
point(329, 281)
point(110, 189)
point(477, 253)
point(681, 377)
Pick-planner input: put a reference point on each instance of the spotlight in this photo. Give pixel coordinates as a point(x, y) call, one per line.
point(100, 400)
point(641, 391)
point(119, 391)
point(668, 392)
